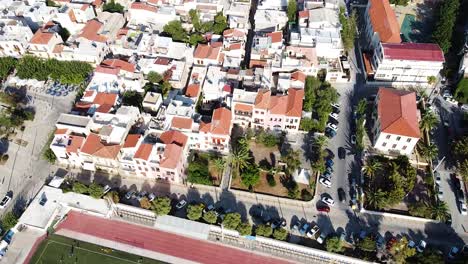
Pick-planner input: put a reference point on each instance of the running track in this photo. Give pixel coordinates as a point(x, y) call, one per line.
point(162, 242)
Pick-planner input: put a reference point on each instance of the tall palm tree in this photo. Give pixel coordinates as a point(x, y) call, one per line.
point(319, 142)
point(239, 159)
point(440, 211)
point(361, 107)
point(219, 164)
point(372, 167)
point(376, 199)
point(428, 152)
point(293, 160)
point(428, 121)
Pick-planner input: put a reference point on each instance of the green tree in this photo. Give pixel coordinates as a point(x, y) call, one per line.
point(220, 23)
point(95, 190)
point(306, 195)
point(440, 211)
point(196, 38)
point(348, 28)
point(145, 203)
point(49, 156)
point(232, 221)
point(461, 93)
point(429, 256)
point(165, 88)
point(7, 64)
point(198, 171)
point(292, 10)
point(334, 244)
point(154, 77)
point(442, 34)
point(371, 168)
point(244, 229)
point(367, 244)
point(161, 205)
point(431, 79)
point(210, 217)
point(132, 98)
point(428, 152)
point(292, 160)
point(78, 187)
point(219, 164)
point(361, 107)
point(250, 176)
point(195, 211)
point(280, 234)
point(462, 169)
point(263, 230)
point(114, 196)
point(419, 209)
point(377, 199)
point(428, 121)
point(400, 250)
point(312, 84)
point(176, 31)
point(307, 124)
point(239, 159)
point(51, 3)
point(113, 7)
point(9, 221)
point(399, 2)
point(195, 19)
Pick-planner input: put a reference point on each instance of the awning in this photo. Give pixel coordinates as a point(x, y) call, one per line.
point(367, 63)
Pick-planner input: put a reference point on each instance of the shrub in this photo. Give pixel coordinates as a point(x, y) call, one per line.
point(195, 211)
point(271, 180)
point(78, 187)
point(334, 244)
point(95, 190)
point(280, 234)
point(9, 220)
point(306, 195)
point(114, 196)
point(244, 229)
point(162, 205)
point(210, 217)
point(232, 221)
point(263, 230)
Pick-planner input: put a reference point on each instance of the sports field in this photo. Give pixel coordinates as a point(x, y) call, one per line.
point(58, 249)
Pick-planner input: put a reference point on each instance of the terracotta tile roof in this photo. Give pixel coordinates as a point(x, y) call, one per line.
point(367, 63)
point(298, 76)
point(75, 144)
point(304, 14)
point(220, 122)
point(122, 32)
point(162, 61)
point(105, 108)
point(181, 123)
point(173, 137)
point(257, 63)
point(397, 112)
point(243, 108)
point(105, 98)
point(143, 151)
point(84, 7)
point(192, 90)
point(93, 146)
point(276, 36)
point(41, 37)
point(295, 98)
point(172, 154)
point(131, 140)
point(88, 93)
point(413, 51)
point(119, 64)
point(71, 14)
point(143, 6)
point(90, 31)
point(107, 70)
point(262, 100)
point(58, 48)
point(205, 51)
point(235, 46)
point(232, 32)
point(227, 88)
point(384, 21)
point(61, 131)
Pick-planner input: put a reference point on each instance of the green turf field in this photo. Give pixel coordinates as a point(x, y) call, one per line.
point(58, 249)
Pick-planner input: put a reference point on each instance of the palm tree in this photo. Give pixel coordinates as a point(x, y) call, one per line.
point(428, 152)
point(440, 211)
point(239, 159)
point(361, 107)
point(292, 159)
point(219, 164)
point(372, 167)
point(428, 121)
point(431, 80)
point(377, 199)
point(319, 142)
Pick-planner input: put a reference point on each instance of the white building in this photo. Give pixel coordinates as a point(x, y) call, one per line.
point(270, 20)
point(14, 37)
point(73, 17)
point(152, 102)
point(396, 122)
point(272, 4)
point(238, 15)
point(150, 16)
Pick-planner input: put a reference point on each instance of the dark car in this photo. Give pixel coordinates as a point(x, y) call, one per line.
point(330, 133)
point(330, 153)
point(449, 220)
point(455, 181)
point(341, 153)
point(341, 195)
point(461, 195)
point(323, 208)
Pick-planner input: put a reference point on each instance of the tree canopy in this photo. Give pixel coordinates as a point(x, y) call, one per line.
point(250, 176)
point(400, 250)
point(154, 77)
point(280, 234)
point(162, 205)
point(95, 190)
point(263, 230)
point(176, 31)
point(79, 187)
point(7, 64)
point(198, 171)
point(334, 244)
point(9, 220)
point(210, 217)
point(460, 151)
point(195, 211)
point(232, 221)
point(442, 34)
point(132, 98)
point(244, 229)
point(113, 7)
point(348, 28)
point(292, 10)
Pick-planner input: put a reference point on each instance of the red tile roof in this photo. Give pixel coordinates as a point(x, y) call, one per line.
point(105, 108)
point(61, 131)
point(181, 122)
point(413, 51)
point(143, 6)
point(262, 100)
point(93, 146)
point(143, 151)
point(298, 76)
point(397, 112)
point(119, 64)
point(105, 99)
point(205, 51)
point(90, 31)
point(288, 105)
point(304, 14)
point(220, 122)
point(243, 107)
point(171, 156)
point(295, 98)
point(384, 21)
point(162, 61)
point(233, 32)
point(276, 36)
point(71, 14)
point(192, 90)
point(131, 140)
point(88, 93)
point(235, 46)
point(41, 37)
point(173, 137)
point(75, 144)
point(107, 70)
point(367, 63)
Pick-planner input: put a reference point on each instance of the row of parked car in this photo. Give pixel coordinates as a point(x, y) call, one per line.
point(460, 195)
point(332, 126)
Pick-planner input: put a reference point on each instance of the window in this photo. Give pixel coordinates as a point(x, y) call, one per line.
point(388, 137)
point(137, 162)
point(384, 144)
point(404, 147)
point(398, 138)
point(408, 140)
point(394, 146)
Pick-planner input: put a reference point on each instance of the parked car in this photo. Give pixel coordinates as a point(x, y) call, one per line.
point(437, 177)
point(129, 195)
point(336, 105)
point(325, 182)
point(208, 208)
point(151, 197)
point(313, 231)
point(461, 195)
point(304, 229)
point(329, 163)
point(453, 252)
point(341, 153)
point(330, 133)
point(455, 181)
point(341, 195)
point(181, 204)
point(463, 209)
point(411, 243)
point(391, 242)
point(141, 195)
point(5, 201)
point(328, 200)
point(422, 246)
point(323, 208)
point(334, 115)
point(321, 238)
point(380, 241)
point(106, 189)
point(329, 170)
point(353, 139)
point(278, 223)
point(440, 193)
point(332, 126)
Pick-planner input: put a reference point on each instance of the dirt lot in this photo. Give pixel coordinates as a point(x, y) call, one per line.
point(264, 154)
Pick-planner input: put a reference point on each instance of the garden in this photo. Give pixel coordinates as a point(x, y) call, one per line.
point(259, 166)
point(205, 168)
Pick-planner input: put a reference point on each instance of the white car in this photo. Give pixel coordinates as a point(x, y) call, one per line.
point(328, 200)
point(313, 231)
point(451, 100)
point(336, 105)
point(106, 189)
point(353, 139)
point(440, 194)
point(181, 204)
point(334, 116)
point(463, 209)
point(332, 126)
point(422, 245)
point(5, 201)
point(325, 182)
point(321, 238)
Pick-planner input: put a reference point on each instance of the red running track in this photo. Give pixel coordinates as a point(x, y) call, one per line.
point(162, 242)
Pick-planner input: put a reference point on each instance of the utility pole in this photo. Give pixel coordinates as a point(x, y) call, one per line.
point(436, 167)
